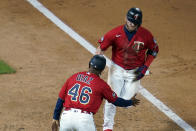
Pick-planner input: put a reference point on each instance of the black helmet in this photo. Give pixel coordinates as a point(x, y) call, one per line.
point(134, 15)
point(98, 62)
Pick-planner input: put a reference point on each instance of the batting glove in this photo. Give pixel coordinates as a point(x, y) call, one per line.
point(140, 72)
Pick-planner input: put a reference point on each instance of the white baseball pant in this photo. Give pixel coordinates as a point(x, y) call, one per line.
point(75, 120)
point(121, 82)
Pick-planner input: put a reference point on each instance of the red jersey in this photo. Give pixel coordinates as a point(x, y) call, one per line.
point(128, 54)
point(86, 91)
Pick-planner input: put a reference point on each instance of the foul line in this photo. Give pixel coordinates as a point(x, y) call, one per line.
point(162, 107)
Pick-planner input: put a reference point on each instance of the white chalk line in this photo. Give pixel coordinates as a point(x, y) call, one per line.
point(162, 107)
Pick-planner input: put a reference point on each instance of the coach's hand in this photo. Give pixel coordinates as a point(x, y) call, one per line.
point(140, 72)
point(55, 125)
point(135, 101)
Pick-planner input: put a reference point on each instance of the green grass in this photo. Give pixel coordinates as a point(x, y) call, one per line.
point(5, 68)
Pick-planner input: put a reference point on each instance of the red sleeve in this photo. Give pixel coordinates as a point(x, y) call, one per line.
point(106, 41)
point(153, 46)
point(109, 95)
point(149, 60)
point(62, 92)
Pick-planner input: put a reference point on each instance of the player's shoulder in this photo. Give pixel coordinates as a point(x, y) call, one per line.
point(81, 72)
point(144, 30)
point(116, 30)
point(102, 82)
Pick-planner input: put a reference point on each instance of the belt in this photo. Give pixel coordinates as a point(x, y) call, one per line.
point(77, 110)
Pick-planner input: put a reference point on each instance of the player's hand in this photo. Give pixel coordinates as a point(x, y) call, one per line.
point(140, 72)
point(99, 51)
point(55, 125)
point(135, 101)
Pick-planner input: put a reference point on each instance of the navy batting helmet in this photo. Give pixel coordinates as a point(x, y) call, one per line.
point(98, 62)
point(134, 15)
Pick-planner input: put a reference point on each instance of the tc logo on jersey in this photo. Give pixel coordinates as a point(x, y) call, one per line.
point(138, 45)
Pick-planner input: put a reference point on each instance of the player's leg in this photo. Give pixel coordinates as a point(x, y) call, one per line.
point(109, 114)
point(131, 87)
point(86, 122)
point(116, 83)
point(66, 121)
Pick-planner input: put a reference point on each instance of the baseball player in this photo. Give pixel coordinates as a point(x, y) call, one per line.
point(133, 50)
point(81, 97)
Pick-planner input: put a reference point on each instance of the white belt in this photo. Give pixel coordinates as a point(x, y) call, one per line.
point(77, 110)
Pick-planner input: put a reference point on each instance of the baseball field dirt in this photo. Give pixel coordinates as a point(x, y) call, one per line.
point(44, 57)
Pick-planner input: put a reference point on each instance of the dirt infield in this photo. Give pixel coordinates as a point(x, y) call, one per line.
point(44, 57)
